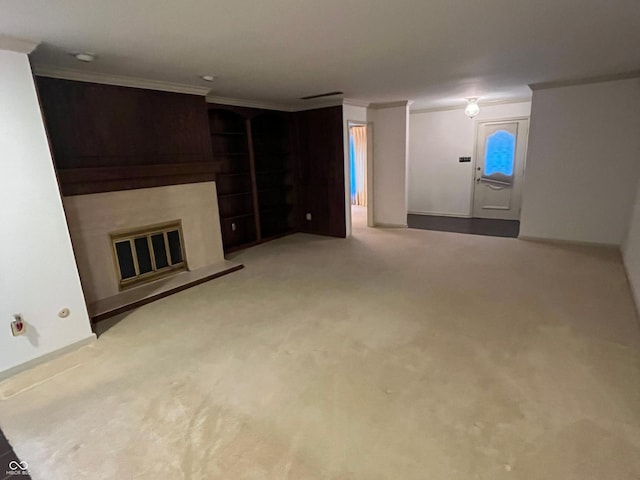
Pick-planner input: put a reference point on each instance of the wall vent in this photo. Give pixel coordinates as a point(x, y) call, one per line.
point(322, 95)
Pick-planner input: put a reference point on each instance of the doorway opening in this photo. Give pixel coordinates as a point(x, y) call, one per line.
point(358, 175)
point(495, 189)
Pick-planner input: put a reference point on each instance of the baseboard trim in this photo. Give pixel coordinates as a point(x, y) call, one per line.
point(559, 241)
point(391, 225)
point(634, 296)
point(440, 214)
point(46, 357)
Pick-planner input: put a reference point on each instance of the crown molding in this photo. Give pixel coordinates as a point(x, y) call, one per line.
point(462, 107)
point(483, 104)
point(118, 80)
point(438, 109)
point(299, 106)
point(585, 81)
point(356, 103)
point(402, 103)
point(17, 44)
point(239, 102)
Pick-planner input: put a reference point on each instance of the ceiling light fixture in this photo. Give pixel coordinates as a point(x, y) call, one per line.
point(85, 57)
point(208, 78)
point(472, 107)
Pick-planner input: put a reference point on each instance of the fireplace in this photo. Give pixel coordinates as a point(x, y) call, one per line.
point(147, 253)
point(125, 238)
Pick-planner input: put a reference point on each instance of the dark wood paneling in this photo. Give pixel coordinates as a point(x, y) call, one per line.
point(106, 137)
point(321, 171)
point(80, 181)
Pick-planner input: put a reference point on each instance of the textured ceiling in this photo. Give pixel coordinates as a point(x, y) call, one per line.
point(434, 52)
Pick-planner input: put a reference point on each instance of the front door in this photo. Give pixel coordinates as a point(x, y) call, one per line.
point(500, 157)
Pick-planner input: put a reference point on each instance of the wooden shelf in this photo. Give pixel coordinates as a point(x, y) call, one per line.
point(236, 174)
point(273, 171)
point(281, 188)
point(278, 208)
point(230, 195)
point(78, 181)
point(268, 145)
point(271, 153)
point(232, 154)
point(228, 133)
point(236, 217)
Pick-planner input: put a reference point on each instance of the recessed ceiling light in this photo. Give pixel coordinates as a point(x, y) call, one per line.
point(85, 57)
point(208, 78)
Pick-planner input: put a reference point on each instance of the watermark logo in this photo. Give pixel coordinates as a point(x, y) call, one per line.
point(18, 468)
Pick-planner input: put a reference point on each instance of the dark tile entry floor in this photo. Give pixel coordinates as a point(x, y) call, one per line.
point(10, 466)
point(476, 226)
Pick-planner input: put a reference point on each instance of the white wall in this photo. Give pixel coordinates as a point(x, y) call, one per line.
point(38, 274)
point(582, 163)
point(93, 217)
point(438, 183)
point(390, 155)
point(350, 113)
point(631, 248)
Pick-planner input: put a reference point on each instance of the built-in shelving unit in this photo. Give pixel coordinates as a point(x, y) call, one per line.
point(236, 197)
point(256, 179)
point(274, 173)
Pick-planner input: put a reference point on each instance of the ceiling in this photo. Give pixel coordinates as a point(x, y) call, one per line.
point(434, 52)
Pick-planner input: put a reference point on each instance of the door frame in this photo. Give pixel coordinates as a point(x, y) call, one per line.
point(369, 179)
point(475, 153)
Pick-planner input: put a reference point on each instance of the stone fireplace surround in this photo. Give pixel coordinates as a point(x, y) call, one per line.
point(91, 218)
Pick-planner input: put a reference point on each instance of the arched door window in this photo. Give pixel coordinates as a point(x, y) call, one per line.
point(499, 157)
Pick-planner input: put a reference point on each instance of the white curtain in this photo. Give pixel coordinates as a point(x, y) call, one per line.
point(359, 138)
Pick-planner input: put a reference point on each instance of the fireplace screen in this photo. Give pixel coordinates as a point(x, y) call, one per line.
point(147, 253)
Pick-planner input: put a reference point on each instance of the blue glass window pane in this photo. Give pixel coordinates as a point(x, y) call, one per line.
point(500, 153)
point(352, 165)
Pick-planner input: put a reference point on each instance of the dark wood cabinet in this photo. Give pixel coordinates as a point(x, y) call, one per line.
point(256, 174)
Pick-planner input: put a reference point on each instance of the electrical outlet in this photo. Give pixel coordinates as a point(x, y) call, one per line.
point(308, 216)
point(18, 327)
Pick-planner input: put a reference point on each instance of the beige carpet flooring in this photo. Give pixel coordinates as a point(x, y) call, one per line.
point(396, 354)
